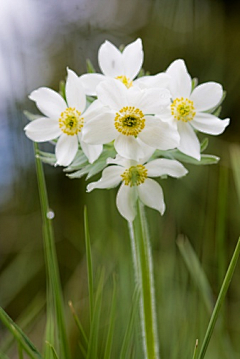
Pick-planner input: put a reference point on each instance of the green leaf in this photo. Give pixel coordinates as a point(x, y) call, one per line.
point(62, 86)
point(90, 67)
point(220, 300)
point(25, 342)
point(94, 330)
point(195, 269)
point(89, 262)
point(129, 332)
point(107, 354)
point(55, 307)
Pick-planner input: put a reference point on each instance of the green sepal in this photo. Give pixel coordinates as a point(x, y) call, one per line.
point(194, 83)
point(31, 116)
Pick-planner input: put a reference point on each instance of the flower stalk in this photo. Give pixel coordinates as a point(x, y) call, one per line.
point(143, 267)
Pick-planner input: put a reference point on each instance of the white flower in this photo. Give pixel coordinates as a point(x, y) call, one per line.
point(128, 117)
point(188, 109)
point(123, 66)
point(136, 184)
point(63, 120)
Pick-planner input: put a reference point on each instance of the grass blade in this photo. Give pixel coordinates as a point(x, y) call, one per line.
point(220, 300)
point(89, 262)
point(107, 354)
point(195, 269)
point(93, 338)
point(54, 298)
point(78, 323)
point(25, 342)
point(129, 332)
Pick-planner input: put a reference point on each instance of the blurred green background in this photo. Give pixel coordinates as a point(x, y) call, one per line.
point(39, 39)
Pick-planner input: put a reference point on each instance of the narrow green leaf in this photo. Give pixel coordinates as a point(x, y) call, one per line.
point(129, 332)
point(195, 350)
point(220, 300)
point(90, 67)
point(53, 351)
point(27, 317)
point(20, 351)
point(195, 269)
point(26, 343)
point(235, 160)
point(55, 308)
point(89, 262)
point(108, 347)
point(78, 323)
point(94, 330)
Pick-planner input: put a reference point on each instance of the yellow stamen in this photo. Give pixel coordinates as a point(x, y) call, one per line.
point(182, 109)
point(125, 80)
point(71, 121)
point(134, 176)
point(129, 121)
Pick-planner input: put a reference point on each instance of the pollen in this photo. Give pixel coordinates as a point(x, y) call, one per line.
point(125, 80)
point(134, 176)
point(183, 110)
point(71, 121)
point(129, 121)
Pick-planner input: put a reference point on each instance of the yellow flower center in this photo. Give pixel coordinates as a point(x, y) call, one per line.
point(125, 80)
point(71, 121)
point(134, 176)
point(129, 121)
point(183, 109)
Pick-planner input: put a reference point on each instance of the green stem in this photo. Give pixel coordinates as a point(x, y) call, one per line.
point(143, 267)
point(220, 300)
point(54, 295)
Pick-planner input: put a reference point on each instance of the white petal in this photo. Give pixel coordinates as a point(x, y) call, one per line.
point(206, 96)
point(207, 123)
point(159, 134)
point(126, 200)
point(121, 161)
point(155, 81)
point(163, 166)
point(132, 58)
point(189, 143)
point(181, 83)
point(75, 94)
point(110, 60)
point(66, 149)
point(90, 82)
point(111, 177)
point(112, 93)
point(152, 101)
point(49, 102)
point(151, 194)
point(129, 147)
point(100, 129)
point(91, 151)
point(43, 129)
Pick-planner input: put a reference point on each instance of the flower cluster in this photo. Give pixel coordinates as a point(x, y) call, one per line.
point(127, 125)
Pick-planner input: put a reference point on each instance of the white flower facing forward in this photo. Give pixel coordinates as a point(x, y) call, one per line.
point(123, 66)
point(136, 184)
point(188, 109)
point(131, 117)
point(63, 120)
